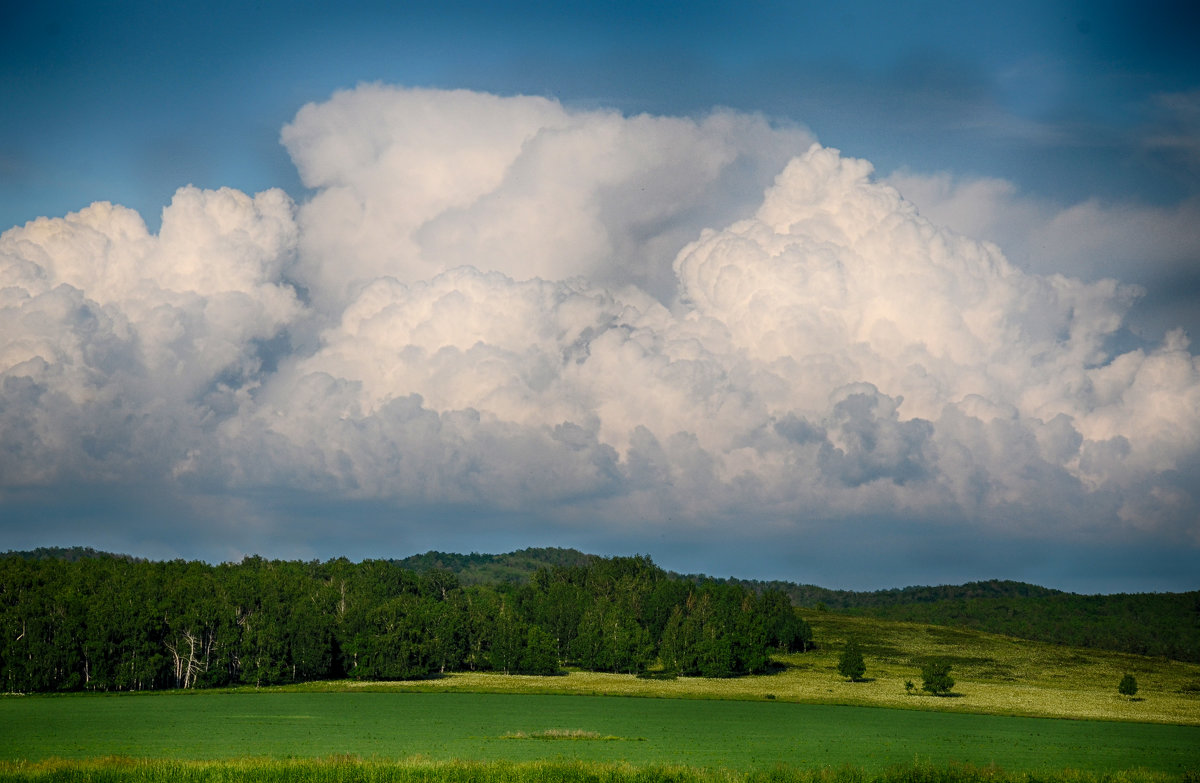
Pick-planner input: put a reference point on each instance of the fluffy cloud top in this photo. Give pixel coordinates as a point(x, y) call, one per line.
point(414, 182)
point(507, 303)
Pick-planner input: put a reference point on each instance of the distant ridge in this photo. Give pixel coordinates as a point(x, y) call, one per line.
point(1157, 624)
point(820, 597)
point(69, 554)
point(511, 568)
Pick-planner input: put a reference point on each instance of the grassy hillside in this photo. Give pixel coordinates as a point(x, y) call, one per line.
point(994, 674)
point(1155, 624)
point(1149, 624)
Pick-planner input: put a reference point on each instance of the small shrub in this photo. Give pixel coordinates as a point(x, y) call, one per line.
point(658, 675)
point(936, 679)
point(850, 663)
point(1128, 686)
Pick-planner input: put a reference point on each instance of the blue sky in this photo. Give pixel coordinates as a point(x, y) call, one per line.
point(174, 421)
point(124, 101)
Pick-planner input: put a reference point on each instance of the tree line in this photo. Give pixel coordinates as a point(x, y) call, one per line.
point(109, 624)
point(1155, 624)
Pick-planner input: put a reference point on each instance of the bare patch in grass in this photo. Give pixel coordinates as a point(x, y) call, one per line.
point(564, 734)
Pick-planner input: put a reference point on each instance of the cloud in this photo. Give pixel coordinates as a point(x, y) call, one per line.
point(512, 307)
point(413, 182)
point(1156, 248)
point(119, 346)
point(1173, 133)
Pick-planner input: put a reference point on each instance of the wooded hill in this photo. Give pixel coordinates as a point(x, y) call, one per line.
point(1156, 624)
point(109, 623)
point(511, 568)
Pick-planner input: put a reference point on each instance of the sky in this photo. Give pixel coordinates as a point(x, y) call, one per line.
point(862, 295)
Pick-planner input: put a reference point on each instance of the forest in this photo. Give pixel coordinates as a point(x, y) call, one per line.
point(103, 623)
point(1158, 624)
point(1164, 625)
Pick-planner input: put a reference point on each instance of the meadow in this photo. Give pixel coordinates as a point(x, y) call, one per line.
point(998, 675)
point(341, 769)
point(1005, 722)
point(739, 735)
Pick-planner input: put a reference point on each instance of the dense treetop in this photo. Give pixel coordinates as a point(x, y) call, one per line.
point(1159, 624)
point(100, 623)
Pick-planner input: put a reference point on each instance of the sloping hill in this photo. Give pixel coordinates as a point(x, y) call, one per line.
point(1156, 624)
point(510, 568)
point(69, 554)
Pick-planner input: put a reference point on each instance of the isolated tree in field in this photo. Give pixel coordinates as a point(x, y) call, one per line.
point(1128, 686)
point(850, 663)
point(935, 678)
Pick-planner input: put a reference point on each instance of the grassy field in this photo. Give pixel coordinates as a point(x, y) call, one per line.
point(994, 675)
point(804, 716)
point(739, 735)
point(350, 770)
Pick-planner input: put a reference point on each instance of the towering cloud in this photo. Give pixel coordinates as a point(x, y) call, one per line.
point(505, 303)
point(120, 347)
point(415, 182)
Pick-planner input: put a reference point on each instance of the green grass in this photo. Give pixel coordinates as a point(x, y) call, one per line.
point(994, 674)
point(739, 735)
point(352, 770)
point(471, 726)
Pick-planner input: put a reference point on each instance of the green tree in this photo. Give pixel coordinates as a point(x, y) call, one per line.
point(935, 678)
point(1128, 686)
point(850, 663)
point(509, 640)
point(786, 631)
point(541, 653)
point(610, 639)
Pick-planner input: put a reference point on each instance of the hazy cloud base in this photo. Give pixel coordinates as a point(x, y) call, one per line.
point(501, 319)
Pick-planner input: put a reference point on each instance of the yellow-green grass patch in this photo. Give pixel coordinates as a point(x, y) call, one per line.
point(345, 769)
point(993, 674)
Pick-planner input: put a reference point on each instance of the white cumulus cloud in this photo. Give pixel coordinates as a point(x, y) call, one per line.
point(502, 302)
point(118, 345)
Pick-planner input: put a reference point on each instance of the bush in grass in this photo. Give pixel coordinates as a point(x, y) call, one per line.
point(850, 663)
point(935, 678)
point(1128, 686)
